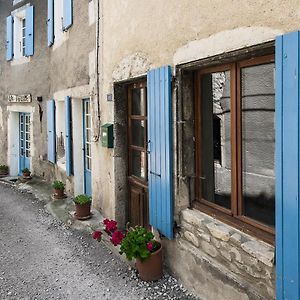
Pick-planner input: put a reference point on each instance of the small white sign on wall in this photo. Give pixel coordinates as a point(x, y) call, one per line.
point(19, 98)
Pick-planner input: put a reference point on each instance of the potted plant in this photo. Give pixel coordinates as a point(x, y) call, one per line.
point(137, 242)
point(3, 170)
point(59, 189)
point(26, 173)
point(82, 207)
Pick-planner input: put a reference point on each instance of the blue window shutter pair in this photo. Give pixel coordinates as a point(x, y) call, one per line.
point(29, 34)
point(68, 137)
point(51, 134)
point(159, 89)
point(67, 18)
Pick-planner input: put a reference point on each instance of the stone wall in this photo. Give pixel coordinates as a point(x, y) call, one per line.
point(225, 262)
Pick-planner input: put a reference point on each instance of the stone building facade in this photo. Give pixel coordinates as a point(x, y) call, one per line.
point(220, 187)
point(62, 64)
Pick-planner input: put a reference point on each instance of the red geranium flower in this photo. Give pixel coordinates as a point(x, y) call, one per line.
point(117, 238)
point(97, 235)
point(110, 226)
point(150, 246)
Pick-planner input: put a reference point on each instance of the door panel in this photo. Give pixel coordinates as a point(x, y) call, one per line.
point(87, 134)
point(137, 155)
point(25, 143)
point(138, 205)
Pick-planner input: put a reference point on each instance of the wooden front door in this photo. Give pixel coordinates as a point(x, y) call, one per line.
point(138, 205)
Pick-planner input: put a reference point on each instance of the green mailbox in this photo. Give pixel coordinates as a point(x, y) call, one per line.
point(107, 135)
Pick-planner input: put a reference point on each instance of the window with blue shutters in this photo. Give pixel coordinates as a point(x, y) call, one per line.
point(20, 34)
point(68, 136)
point(60, 19)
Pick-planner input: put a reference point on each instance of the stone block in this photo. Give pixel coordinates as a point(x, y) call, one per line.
point(209, 249)
point(192, 217)
point(236, 255)
point(191, 238)
point(261, 251)
point(236, 238)
point(226, 254)
point(219, 231)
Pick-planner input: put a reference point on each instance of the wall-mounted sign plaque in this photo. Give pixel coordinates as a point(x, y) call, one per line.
point(19, 98)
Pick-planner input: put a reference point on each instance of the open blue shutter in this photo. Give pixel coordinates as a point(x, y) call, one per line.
point(9, 38)
point(50, 22)
point(68, 14)
point(68, 140)
point(51, 131)
point(159, 82)
point(29, 31)
point(287, 167)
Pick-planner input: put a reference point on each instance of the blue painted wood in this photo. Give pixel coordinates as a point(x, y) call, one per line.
point(68, 137)
point(287, 166)
point(50, 22)
point(29, 31)
point(67, 14)
point(159, 83)
point(51, 131)
point(9, 38)
point(87, 171)
point(278, 156)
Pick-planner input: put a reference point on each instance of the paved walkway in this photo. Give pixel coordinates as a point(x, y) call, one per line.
point(42, 258)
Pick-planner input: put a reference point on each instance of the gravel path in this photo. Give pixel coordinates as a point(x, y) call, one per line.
point(41, 258)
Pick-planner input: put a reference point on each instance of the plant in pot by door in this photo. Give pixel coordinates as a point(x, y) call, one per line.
point(82, 207)
point(3, 170)
point(138, 243)
point(59, 189)
point(26, 173)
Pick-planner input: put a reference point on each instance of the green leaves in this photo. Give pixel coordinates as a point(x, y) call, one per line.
point(82, 199)
point(134, 244)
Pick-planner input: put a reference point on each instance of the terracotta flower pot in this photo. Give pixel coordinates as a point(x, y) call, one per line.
point(151, 268)
point(3, 173)
point(26, 175)
point(83, 212)
point(59, 193)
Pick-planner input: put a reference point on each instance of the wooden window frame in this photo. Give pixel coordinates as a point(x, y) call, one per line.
point(132, 178)
point(233, 216)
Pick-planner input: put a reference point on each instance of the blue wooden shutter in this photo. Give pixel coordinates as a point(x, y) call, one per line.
point(51, 131)
point(68, 140)
point(67, 14)
point(9, 38)
point(287, 167)
point(50, 22)
point(159, 82)
point(29, 31)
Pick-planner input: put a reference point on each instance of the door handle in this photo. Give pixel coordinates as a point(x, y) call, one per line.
point(153, 173)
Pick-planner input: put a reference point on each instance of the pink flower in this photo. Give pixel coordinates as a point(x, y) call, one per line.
point(97, 235)
point(117, 238)
point(110, 226)
point(150, 246)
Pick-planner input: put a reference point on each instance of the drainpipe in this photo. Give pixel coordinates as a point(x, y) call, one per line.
point(98, 45)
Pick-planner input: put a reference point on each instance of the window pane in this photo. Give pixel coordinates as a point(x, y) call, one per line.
point(215, 139)
point(258, 143)
point(138, 133)
point(138, 102)
point(138, 164)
